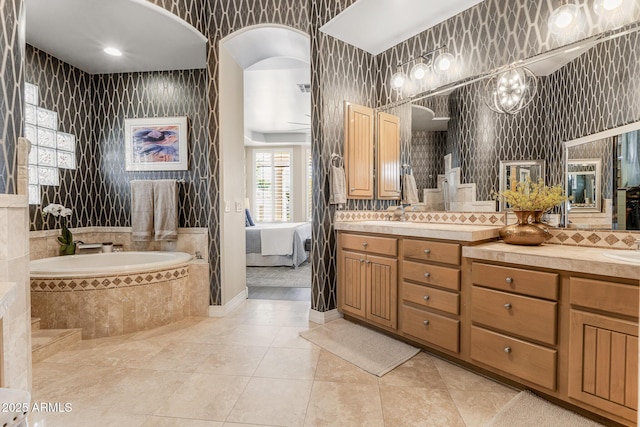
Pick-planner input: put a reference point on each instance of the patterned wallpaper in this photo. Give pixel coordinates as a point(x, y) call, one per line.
point(427, 157)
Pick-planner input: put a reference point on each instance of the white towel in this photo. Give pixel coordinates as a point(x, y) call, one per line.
point(337, 186)
point(141, 210)
point(165, 209)
point(409, 189)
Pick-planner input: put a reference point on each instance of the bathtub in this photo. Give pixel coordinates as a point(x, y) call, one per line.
point(112, 293)
point(105, 263)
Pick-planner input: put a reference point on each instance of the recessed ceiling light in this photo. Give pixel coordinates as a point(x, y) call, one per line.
point(112, 51)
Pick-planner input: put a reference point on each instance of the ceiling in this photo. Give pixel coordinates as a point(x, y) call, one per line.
point(377, 25)
point(150, 38)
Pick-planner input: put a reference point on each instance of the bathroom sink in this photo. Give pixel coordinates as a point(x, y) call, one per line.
point(629, 256)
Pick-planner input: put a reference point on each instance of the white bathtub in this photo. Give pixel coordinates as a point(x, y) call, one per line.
point(101, 264)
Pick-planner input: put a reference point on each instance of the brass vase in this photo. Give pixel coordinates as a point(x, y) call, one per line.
point(523, 233)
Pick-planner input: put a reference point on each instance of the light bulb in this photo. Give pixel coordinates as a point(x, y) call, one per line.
point(602, 7)
point(112, 51)
point(397, 80)
point(419, 71)
point(563, 18)
point(443, 62)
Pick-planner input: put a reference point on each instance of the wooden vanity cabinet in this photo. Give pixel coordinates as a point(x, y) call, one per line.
point(368, 277)
point(514, 316)
point(388, 180)
point(358, 151)
point(430, 293)
point(603, 346)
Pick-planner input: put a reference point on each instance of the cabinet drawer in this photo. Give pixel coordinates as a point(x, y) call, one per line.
point(606, 296)
point(525, 360)
point(526, 282)
point(430, 297)
point(448, 253)
point(528, 317)
point(432, 328)
point(431, 274)
point(369, 244)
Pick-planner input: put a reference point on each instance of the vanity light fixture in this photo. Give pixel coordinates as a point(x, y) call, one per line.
point(438, 60)
point(109, 50)
point(511, 90)
point(564, 17)
point(603, 7)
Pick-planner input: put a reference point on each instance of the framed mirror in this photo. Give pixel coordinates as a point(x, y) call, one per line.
point(583, 184)
point(515, 171)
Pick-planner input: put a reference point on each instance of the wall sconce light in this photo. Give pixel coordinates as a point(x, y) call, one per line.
point(438, 60)
point(564, 17)
point(510, 91)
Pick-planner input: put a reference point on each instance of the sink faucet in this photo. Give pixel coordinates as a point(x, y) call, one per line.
point(399, 214)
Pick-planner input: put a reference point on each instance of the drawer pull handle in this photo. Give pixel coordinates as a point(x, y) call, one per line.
point(508, 306)
point(427, 274)
point(426, 297)
point(367, 262)
point(353, 189)
point(509, 280)
point(507, 350)
point(425, 322)
point(365, 244)
point(427, 251)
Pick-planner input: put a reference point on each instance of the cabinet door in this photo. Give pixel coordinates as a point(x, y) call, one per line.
point(351, 282)
point(603, 363)
point(388, 156)
point(358, 151)
point(382, 290)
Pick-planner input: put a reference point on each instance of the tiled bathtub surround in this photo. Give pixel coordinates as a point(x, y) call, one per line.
point(113, 305)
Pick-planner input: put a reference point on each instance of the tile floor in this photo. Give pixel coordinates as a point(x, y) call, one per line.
point(250, 368)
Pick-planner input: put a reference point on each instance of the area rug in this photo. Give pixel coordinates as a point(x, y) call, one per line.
point(369, 350)
point(281, 277)
point(529, 410)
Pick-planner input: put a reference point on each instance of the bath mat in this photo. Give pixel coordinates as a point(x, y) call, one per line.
point(367, 349)
point(529, 410)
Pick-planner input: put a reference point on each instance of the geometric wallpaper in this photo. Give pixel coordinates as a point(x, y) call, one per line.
point(339, 72)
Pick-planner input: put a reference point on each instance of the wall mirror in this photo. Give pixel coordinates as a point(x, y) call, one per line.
point(615, 156)
point(583, 184)
point(515, 171)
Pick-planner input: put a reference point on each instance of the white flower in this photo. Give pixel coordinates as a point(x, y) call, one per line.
point(56, 210)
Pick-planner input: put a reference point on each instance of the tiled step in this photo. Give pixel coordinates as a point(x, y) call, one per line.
point(35, 323)
point(47, 342)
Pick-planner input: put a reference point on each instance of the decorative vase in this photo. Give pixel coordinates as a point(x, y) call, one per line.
point(68, 249)
point(67, 246)
point(523, 233)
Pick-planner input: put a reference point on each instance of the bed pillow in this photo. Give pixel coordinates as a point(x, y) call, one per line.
point(248, 221)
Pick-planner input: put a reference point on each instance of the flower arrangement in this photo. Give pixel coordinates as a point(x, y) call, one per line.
point(533, 196)
point(67, 247)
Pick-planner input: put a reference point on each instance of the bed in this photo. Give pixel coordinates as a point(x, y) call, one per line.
point(277, 244)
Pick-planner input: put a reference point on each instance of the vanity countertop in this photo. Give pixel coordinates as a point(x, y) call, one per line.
point(568, 258)
point(464, 233)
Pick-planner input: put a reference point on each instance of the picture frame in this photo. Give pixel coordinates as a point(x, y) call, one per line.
point(156, 144)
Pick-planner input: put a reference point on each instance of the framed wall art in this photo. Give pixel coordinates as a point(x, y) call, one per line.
point(156, 144)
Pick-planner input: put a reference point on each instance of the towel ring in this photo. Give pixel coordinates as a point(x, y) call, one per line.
point(340, 161)
point(406, 168)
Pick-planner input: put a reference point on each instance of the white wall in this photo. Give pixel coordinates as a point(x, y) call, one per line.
point(232, 233)
point(298, 176)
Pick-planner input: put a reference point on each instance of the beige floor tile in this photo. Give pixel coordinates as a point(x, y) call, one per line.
point(289, 337)
point(410, 406)
point(334, 369)
point(290, 363)
point(269, 401)
point(238, 334)
point(121, 354)
point(144, 391)
point(477, 407)
point(87, 417)
point(169, 331)
point(419, 371)
point(340, 404)
point(275, 318)
point(233, 360)
point(154, 421)
point(204, 397)
point(457, 378)
point(245, 425)
point(175, 356)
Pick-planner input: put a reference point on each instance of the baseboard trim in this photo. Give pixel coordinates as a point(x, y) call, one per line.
point(223, 310)
point(322, 317)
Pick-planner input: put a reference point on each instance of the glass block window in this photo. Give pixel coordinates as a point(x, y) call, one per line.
point(50, 150)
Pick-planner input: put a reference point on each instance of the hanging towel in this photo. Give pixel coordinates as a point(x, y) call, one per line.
point(410, 190)
point(141, 210)
point(165, 209)
point(337, 186)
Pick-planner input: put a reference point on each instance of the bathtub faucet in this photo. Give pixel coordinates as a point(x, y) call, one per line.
point(78, 242)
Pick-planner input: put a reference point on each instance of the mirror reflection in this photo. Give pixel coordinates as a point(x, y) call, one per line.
point(513, 172)
point(583, 182)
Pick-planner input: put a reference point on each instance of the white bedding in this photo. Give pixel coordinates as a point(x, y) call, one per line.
point(277, 239)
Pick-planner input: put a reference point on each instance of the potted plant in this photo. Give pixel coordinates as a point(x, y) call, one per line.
point(67, 246)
